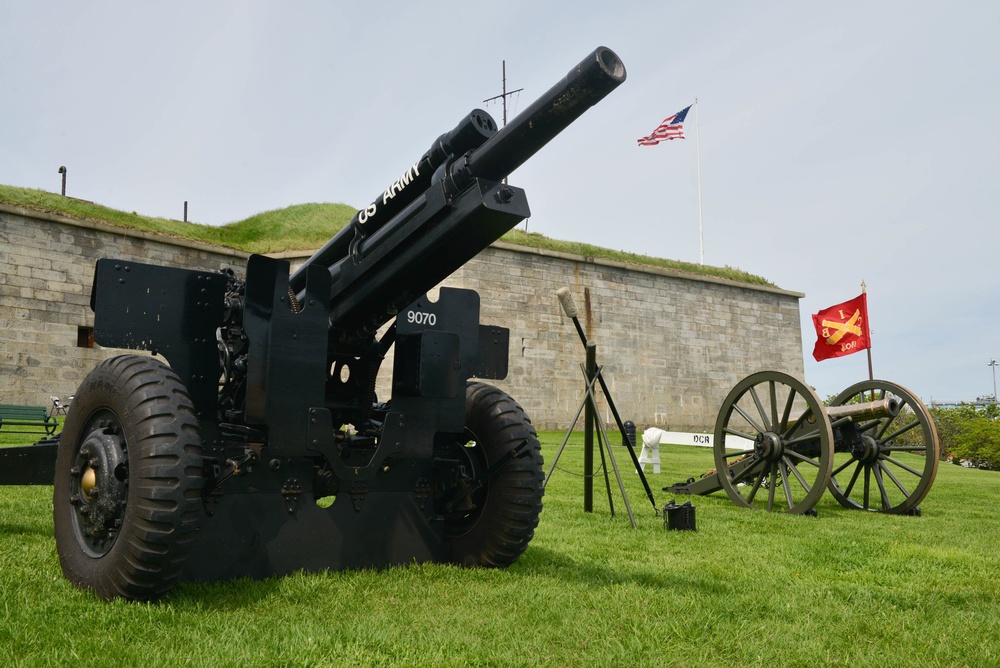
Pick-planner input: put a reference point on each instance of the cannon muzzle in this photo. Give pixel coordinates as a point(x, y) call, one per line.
point(584, 86)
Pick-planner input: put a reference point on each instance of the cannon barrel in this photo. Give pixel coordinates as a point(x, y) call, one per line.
point(450, 205)
point(868, 410)
point(583, 86)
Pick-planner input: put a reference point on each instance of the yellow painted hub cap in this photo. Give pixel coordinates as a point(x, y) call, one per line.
point(88, 481)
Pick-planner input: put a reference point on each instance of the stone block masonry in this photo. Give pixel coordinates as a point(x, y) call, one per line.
point(46, 269)
point(672, 344)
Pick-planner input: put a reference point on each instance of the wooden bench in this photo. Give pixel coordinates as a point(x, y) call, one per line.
point(26, 420)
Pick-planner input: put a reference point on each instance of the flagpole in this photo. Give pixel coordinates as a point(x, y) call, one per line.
point(697, 143)
point(868, 325)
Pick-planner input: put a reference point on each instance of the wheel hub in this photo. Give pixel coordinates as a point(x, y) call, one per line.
point(768, 446)
point(865, 450)
point(99, 489)
point(88, 481)
point(457, 495)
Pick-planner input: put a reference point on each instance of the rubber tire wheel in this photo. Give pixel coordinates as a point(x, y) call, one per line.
point(499, 529)
point(147, 406)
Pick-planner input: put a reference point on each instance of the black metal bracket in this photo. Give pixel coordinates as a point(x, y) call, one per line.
point(290, 492)
point(235, 467)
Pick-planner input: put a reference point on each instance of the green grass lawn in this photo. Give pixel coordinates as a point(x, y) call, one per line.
point(747, 589)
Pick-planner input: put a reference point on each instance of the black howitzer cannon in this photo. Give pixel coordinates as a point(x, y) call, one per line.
point(777, 448)
point(263, 448)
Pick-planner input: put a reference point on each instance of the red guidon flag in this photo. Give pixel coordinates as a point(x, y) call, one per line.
point(842, 329)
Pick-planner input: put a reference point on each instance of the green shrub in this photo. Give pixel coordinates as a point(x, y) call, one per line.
point(969, 434)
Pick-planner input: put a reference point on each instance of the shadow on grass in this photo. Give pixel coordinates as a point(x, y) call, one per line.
point(11, 529)
point(587, 573)
point(223, 596)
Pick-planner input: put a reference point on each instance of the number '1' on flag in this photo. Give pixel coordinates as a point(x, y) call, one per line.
point(672, 127)
point(842, 329)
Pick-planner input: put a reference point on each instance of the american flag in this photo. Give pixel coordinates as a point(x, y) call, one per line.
point(670, 128)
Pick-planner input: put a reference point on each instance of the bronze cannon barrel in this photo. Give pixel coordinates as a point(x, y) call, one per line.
point(868, 410)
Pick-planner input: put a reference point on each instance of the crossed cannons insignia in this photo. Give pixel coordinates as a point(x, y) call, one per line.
point(843, 328)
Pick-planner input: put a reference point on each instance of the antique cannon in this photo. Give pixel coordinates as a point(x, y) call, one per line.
point(262, 449)
point(777, 448)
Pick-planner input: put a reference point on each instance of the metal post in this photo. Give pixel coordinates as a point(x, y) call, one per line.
point(628, 438)
point(588, 434)
point(993, 363)
point(503, 97)
point(701, 225)
point(62, 170)
point(185, 211)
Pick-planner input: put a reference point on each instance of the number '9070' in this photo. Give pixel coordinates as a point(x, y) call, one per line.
point(421, 318)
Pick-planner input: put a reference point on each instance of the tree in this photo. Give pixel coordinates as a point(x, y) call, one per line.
point(969, 434)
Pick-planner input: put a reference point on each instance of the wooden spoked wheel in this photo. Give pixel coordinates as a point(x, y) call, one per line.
point(773, 444)
point(892, 466)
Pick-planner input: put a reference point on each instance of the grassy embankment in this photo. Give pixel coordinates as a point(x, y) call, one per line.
point(309, 226)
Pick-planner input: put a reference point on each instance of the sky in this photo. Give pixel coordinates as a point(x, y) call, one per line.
point(837, 142)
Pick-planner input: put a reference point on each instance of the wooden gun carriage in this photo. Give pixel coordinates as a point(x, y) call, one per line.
point(778, 448)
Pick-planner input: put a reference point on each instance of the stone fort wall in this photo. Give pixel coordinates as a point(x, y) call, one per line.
point(672, 344)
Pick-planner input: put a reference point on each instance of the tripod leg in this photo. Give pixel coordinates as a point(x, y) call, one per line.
point(563, 446)
point(628, 442)
point(604, 465)
point(583, 402)
point(569, 308)
point(604, 433)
